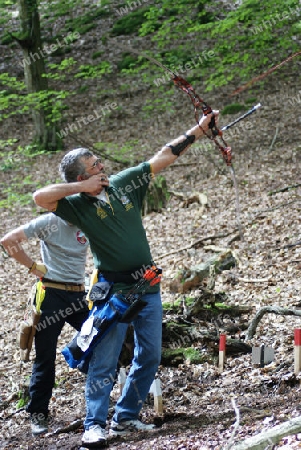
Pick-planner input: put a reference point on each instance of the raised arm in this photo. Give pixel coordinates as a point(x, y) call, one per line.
point(48, 196)
point(167, 156)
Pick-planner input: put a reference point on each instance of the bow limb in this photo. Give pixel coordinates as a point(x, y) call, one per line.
point(264, 74)
point(198, 104)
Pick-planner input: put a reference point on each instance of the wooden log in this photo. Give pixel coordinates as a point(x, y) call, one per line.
point(189, 279)
point(266, 439)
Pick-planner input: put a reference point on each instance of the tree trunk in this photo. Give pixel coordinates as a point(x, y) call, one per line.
point(34, 68)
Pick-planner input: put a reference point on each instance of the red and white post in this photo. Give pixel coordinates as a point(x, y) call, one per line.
point(297, 359)
point(222, 352)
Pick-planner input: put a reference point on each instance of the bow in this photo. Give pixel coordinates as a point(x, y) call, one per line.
point(215, 134)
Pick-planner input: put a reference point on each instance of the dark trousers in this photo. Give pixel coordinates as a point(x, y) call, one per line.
point(57, 308)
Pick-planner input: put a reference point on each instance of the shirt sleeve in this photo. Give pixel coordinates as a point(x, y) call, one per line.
point(135, 180)
point(66, 210)
point(41, 227)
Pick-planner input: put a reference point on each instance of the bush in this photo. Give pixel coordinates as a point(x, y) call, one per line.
point(130, 23)
point(233, 109)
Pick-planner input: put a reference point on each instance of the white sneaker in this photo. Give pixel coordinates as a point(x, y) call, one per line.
point(95, 435)
point(127, 426)
point(39, 424)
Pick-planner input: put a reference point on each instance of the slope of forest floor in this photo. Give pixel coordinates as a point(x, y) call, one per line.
point(197, 398)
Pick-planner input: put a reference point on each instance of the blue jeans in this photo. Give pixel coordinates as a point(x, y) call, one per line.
point(103, 364)
point(58, 308)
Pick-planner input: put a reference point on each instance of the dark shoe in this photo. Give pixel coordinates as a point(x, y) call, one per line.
point(95, 436)
point(39, 424)
point(128, 426)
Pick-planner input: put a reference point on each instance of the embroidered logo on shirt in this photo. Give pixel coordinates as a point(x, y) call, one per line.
point(101, 212)
point(126, 202)
point(81, 238)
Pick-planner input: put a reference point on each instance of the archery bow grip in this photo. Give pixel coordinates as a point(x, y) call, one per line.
point(212, 125)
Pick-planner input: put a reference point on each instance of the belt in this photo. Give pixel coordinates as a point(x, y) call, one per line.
point(63, 286)
point(127, 277)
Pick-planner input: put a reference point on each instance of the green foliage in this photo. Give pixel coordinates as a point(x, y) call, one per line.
point(14, 99)
point(83, 88)
point(192, 355)
point(51, 101)
point(6, 39)
point(23, 399)
point(130, 22)
point(167, 306)
point(189, 301)
point(128, 62)
point(62, 70)
point(246, 39)
point(61, 51)
point(86, 22)
point(89, 71)
point(97, 55)
point(251, 101)
point(233, 108)
point(165, 19)
point(17, 163)
point(175, 56)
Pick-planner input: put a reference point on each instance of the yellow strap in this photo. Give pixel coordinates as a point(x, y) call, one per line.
point(93, 280)
point(41, 268)
point(40, 295)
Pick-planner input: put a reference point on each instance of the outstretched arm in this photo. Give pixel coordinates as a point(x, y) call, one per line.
point(165, 156)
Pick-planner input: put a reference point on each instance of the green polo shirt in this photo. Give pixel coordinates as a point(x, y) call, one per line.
point(115, 231)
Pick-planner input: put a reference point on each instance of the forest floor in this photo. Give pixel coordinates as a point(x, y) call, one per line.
point(198, 412)
point(197, 398)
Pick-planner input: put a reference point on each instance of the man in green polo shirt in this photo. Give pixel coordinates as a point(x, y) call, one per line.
point(108, 211)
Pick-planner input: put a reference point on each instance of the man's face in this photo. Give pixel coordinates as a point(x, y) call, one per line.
point(93, 165)
point(94, 172)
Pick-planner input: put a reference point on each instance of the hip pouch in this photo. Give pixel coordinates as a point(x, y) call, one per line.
point(28, 326)
point(101, 319)
point(106, 311)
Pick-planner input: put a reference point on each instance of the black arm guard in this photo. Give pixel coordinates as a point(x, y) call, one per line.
point(181, 146)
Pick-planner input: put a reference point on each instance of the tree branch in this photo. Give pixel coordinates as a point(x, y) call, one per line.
point(269, 309)
point(71, 427)
point(286, 188)
point(236, 425)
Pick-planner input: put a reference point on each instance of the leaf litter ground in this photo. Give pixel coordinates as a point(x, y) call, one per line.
point(198, 413)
